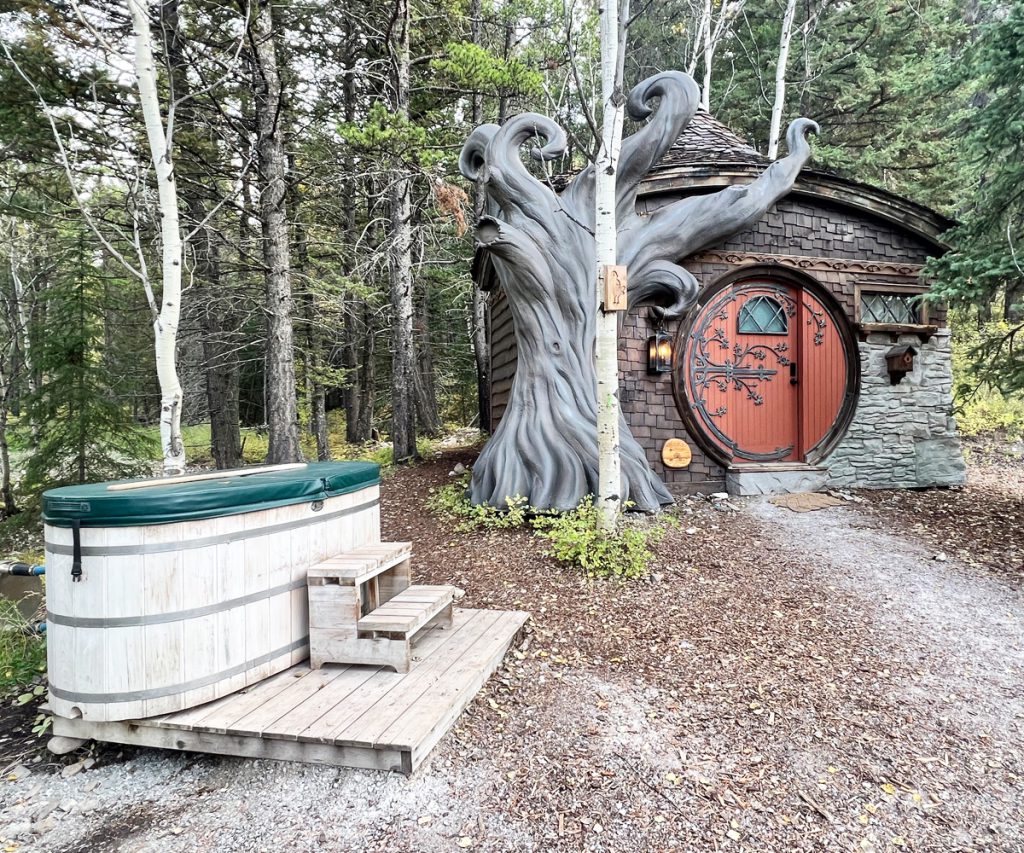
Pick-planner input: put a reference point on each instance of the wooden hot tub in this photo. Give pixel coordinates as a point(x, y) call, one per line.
point(190, 591)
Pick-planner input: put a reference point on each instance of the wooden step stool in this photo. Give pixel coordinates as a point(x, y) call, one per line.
point(363, 610)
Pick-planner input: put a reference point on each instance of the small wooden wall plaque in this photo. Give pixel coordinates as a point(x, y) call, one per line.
point(615, 288)
point(676, 453)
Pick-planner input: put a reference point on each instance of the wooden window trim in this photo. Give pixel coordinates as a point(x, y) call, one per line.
point(924, 329)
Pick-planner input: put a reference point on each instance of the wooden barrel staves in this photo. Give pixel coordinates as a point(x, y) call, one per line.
point(179, 592)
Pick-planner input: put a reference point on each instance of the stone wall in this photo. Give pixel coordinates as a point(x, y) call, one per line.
point(901, 435)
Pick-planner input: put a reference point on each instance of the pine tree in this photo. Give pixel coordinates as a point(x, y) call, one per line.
point(987, 265)
point(85, 432)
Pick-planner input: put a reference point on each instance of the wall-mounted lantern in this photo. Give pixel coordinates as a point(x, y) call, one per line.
point(659, 353)
point(900, 361)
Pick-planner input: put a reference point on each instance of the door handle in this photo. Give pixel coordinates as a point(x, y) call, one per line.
point(792, 373)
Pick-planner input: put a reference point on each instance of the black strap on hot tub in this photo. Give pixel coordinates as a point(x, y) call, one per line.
point(76, 558)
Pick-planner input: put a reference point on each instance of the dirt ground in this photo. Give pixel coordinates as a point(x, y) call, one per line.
point(845, 679)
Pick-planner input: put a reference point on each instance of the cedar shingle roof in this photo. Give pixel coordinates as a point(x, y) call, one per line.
point(706, 141)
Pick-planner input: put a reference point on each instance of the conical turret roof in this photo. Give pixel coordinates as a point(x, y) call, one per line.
point(706, 141)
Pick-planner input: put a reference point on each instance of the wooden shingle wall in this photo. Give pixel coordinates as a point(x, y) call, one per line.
point(835, 245)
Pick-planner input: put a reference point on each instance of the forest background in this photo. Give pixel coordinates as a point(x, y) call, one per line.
point(327, 309)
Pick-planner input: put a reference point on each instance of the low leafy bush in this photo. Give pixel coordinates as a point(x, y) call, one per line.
point(452, 503)
point(576, 541)
point(988, 411)
point(22, 650)
point(984, 401)
point(573, 536)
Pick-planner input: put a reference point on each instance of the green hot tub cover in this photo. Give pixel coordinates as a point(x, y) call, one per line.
point(94, 505)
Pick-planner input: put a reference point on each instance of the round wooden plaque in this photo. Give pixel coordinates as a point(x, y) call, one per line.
point(676, 453)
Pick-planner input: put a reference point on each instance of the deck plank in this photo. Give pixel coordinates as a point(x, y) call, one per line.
point(193, 717)
point(299, 724)
point(257, 720)
point(293, 724)
point(382, 683)
point(220, 719)
point(355, 716)
point(421, 727)
point(369, 726)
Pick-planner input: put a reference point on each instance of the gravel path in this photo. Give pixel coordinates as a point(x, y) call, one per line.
point(792, 681)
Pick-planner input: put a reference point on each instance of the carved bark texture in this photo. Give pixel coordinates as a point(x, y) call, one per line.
point(282, 406)
point(542, 248)
point(403, 355)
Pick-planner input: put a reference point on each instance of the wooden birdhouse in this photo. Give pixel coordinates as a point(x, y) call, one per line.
point(900, 361)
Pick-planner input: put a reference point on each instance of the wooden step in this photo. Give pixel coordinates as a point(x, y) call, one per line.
point(359, 565)
point(409, 611)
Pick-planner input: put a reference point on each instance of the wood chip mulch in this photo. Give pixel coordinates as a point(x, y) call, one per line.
point(980, 524)
point(731, 702)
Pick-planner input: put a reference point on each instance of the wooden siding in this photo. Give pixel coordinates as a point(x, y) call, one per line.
point(503, 354)
point(835, 245)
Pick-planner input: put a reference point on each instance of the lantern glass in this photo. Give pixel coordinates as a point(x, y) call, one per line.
point(665, 353)
point(659, 353)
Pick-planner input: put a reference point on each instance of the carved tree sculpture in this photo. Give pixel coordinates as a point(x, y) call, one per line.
point(542, 247)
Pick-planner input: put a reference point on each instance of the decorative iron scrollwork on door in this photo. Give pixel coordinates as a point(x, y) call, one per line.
point(816, 318)
point(746, 368)
point(719, 362)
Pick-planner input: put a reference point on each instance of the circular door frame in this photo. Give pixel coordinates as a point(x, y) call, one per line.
point(783, 275)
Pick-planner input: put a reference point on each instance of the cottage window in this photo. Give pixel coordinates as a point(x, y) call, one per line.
point(762, 315)
point(901, 309)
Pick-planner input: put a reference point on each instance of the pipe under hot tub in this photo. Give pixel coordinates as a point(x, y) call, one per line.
point(21, 569)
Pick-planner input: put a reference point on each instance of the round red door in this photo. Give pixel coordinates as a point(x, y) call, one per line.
point(764, 372)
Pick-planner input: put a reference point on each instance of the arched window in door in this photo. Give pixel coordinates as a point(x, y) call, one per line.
point(763, 315)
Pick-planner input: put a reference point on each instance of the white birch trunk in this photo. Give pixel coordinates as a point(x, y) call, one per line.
point(712, 35)
point(696, 49)
point(21, 314)
point(785, 38)
point(165, 327)
point(709, 58)
point(606, 251)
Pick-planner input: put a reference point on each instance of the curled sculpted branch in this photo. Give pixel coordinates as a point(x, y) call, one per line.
point(541, 244)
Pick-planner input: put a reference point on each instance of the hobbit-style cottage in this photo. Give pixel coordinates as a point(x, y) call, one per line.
point(809, 359)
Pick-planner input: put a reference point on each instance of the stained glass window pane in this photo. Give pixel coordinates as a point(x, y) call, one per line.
point(890, 308)
point(762, 315)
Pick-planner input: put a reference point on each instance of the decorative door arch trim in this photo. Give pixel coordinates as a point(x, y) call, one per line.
point(783, 276)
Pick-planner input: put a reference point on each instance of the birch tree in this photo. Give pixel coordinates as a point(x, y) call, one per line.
point(168, 314)
point(713, 29)
point(606, 252)
point(778, 105)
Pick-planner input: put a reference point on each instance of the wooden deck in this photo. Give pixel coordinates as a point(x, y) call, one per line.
point(352, 716)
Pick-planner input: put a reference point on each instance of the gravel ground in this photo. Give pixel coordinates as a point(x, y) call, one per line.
point(789, 681)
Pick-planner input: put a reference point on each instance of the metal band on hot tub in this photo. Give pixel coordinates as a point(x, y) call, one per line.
point(223, 538)
point(174, 616)
point(195, 684)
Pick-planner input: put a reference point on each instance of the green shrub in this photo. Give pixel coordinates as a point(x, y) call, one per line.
point(987, 410)
point(573, 536)
point(982, 403)
point(452, 503)
point(576, 541)
point(22, 650)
